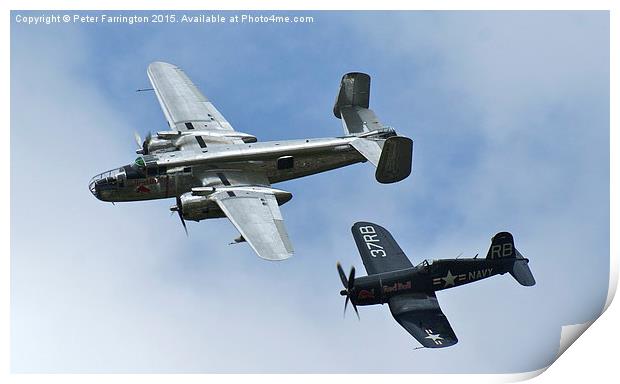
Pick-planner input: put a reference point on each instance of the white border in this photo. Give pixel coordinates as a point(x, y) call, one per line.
point(591, 358)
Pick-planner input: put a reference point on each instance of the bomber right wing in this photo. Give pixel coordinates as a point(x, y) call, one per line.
point(256, 215)
point(378, 249)
point(420, 315)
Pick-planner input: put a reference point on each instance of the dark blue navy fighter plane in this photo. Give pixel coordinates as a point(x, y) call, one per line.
point(410, 291)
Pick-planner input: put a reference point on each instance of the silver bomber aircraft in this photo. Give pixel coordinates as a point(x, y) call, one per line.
point(214, 171)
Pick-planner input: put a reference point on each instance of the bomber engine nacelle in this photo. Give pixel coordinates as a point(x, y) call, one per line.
point(167, 141)
point(154, 144)
point(198, 205)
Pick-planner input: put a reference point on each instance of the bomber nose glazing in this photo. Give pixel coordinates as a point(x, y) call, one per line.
point(104, 184)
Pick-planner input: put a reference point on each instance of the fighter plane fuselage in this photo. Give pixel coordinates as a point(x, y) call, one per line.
point(426, 277)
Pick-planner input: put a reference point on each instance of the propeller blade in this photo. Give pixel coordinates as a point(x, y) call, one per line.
point(145, 144)
point(183, 222)
point(343, 277)
point(138, 139)
point(349, 285)
point(351, 281)
point(180, 212)
point(355, 308)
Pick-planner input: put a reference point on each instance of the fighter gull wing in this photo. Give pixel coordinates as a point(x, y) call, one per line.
point(378, 249)
point(421, 316)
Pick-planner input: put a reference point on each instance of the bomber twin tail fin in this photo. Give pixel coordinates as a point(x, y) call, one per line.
point(379, 144)
point(352, 105)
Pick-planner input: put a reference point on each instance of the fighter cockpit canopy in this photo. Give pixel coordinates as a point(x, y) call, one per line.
point(425, 265)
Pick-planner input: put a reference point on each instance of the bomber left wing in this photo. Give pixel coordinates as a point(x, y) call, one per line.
point(420, 315)
point(193, 119)
point(254, 211)
point(184, 106)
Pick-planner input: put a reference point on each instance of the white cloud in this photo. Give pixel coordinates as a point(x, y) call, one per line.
point(100, 288)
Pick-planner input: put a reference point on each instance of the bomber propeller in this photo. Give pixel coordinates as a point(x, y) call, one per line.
point(349, 286)
point(138, 139)
point(143, 146)
point(179, 209)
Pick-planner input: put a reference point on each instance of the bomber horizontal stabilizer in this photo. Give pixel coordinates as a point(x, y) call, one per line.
point(391, 156)
point(395, 161)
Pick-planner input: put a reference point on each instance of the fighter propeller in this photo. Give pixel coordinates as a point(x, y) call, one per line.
point(349, 287)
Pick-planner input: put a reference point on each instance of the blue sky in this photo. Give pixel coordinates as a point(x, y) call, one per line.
point(509, 112)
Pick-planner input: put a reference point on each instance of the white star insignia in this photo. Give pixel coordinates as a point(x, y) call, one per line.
point(449, 279)
point(435, 338)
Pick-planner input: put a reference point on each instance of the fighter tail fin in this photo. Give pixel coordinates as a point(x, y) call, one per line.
point(503, 247)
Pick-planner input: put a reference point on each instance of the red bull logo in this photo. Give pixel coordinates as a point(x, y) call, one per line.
point(366, 294)
point(397, 287)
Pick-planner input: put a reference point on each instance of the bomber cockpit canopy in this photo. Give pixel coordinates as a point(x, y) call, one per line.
point(145, 161)
point(139, 162)
point(144, 166)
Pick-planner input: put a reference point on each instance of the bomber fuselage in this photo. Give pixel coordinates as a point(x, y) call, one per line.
point(170, 174)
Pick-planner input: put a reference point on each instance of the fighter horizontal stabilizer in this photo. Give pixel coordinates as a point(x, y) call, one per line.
point(521, 271)
point(378, 249)
point(420, 315)
point(503, 247)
